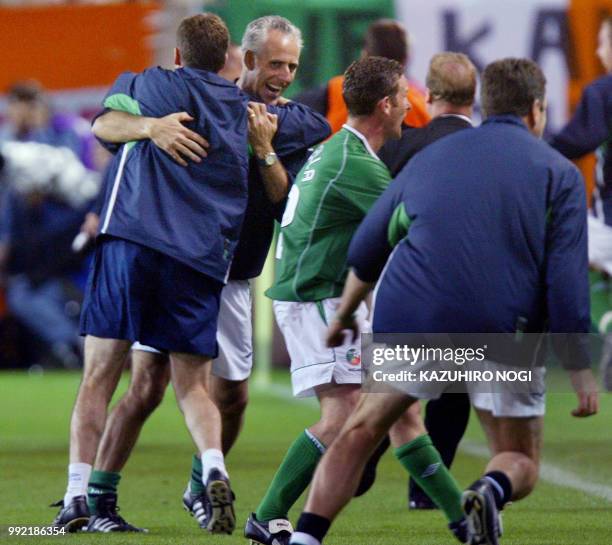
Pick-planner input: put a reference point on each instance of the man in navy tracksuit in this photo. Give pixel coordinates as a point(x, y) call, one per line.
point(489, 231)
point(589, 128)
point(167, 239)
point(280, 144)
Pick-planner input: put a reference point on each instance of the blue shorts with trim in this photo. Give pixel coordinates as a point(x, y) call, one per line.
point(138, 294)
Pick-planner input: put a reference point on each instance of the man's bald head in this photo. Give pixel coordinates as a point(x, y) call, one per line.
point(452, 78)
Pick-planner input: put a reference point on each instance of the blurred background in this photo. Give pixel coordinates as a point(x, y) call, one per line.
point(59, 57)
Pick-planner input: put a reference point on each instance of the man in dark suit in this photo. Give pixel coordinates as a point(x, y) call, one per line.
point(451, 86)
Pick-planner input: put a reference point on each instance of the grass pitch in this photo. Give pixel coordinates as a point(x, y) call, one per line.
point(573, 506)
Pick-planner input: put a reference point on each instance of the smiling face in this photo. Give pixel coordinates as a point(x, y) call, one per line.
point(398, 106)
point(604, 46)
point(270, 71)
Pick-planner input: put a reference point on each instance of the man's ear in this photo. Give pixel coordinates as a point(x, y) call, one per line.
point(249, 60)
point(535, 112)
point(177, 57)
point(428, 97)
point(384, 104)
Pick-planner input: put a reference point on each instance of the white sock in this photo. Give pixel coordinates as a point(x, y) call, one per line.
point(212, 459)
point(78, 479)
point(303, 539)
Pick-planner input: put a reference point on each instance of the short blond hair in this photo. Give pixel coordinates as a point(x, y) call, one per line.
point(452, 78)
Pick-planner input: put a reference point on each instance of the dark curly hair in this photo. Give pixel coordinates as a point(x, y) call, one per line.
point(369, 80)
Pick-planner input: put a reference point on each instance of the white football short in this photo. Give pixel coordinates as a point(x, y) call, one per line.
point(304, 327)
point(234, 333)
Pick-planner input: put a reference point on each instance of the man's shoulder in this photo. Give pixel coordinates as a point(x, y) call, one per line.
point(602, 84)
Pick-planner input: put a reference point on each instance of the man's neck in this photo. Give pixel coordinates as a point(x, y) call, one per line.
point(371, 129)
point(439, 108)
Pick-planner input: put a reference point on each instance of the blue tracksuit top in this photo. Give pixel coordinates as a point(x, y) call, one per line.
point(496, 231)
point(193, 214)
point(590, 129)
point(299, 128)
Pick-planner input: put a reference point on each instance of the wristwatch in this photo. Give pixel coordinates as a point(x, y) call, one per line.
point(268, 160)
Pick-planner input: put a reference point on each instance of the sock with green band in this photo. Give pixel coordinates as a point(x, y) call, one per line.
point(420, 458)
point(292, 477)
point(195, 484)
point(101, 482)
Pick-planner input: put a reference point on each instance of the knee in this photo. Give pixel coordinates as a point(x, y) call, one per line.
point(408, 426)
point(326, 431)
point(232, 405)
point(145, 396)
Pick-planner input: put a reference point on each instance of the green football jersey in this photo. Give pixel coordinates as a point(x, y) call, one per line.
point(332, 193)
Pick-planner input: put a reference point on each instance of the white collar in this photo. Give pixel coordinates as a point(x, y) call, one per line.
point(363, 139)
point(460, 116)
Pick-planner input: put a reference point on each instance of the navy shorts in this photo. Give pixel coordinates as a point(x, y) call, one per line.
point(138, 294)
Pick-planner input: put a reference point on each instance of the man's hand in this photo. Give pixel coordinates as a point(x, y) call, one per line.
point(90, 224)
point(585, 386)
point(262, 128)
point(282, 101)
point(336, 331)
point(169, 134)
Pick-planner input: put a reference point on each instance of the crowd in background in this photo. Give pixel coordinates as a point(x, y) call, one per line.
point(49, 180)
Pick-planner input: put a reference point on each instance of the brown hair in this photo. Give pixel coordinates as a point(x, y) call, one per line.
point(202, 40)
point(387, 38)
point(25, 91)
point(452, 78)
point(369, 80)
point(510, 86)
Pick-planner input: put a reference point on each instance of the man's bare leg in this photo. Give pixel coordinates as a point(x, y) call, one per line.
point(191, 380)
point(150, 374)
point(104, 360)
point(338, 474)
point(297, 468)
point(343, 463)
point(231, 398)
point(103, 364)
point(515, 445)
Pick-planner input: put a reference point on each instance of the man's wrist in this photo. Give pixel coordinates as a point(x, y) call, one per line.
point(343, 318)
point(147, 127)
point(262, 151)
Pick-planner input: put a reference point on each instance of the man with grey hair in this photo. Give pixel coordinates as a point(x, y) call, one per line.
point(271, 47)
point(271, 57)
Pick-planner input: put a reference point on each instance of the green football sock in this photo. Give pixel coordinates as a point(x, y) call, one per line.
point(292, 477)
point(420, 458)
point(101, 482)
point(195, 484)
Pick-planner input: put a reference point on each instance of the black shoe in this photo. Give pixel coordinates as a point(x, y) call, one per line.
point(418, 500)
point(219, 504)
point(73, 516)
point(108, 520)
point(267, 532)
point(195, 505)
point(478, 503)
point(460, 530)
point(369, 472)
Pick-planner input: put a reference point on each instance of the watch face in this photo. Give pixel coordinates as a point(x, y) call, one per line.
point(270, 159)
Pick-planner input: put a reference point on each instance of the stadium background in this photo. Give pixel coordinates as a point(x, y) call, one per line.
point(75, 50)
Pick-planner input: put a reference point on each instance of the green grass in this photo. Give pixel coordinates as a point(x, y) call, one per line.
point(34, 418)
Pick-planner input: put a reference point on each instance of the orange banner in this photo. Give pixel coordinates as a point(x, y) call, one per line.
point(74, 46)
